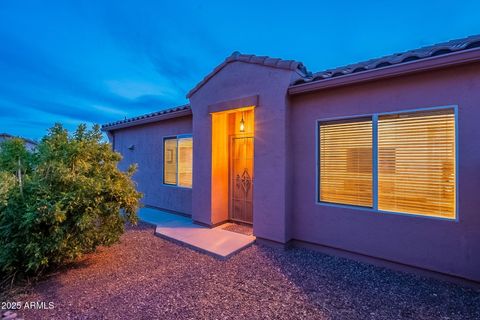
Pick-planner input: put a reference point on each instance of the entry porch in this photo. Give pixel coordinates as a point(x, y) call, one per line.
point(214, 241)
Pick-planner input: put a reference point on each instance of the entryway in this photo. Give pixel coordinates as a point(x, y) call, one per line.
point(233, 166)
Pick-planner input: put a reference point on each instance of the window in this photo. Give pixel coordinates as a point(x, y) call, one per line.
point(177, 161)
point(185, 159)
point(346, 162)
point(407, 166)
point(170, 161)
point(416, 163)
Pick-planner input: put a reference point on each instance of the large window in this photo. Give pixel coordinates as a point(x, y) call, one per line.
point(177, 161)
point(401, 162)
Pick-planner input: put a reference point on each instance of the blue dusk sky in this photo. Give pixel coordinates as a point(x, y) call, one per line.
point(99, 61)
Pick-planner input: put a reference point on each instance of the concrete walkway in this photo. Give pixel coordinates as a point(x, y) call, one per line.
point(216, 241)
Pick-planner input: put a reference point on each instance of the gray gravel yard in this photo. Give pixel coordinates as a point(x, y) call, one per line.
point(146, 277)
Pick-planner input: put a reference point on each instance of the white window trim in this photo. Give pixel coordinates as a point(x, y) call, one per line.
point(375, 209)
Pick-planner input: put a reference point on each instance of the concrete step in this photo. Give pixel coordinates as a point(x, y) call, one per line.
point(215, 241)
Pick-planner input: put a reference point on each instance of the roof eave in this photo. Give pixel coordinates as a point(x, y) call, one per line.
point(157, 118)
point(427, 64)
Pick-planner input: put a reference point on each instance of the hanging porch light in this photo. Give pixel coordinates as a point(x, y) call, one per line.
point(242, 124)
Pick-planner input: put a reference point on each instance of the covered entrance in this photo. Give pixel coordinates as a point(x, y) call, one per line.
point(233, 165)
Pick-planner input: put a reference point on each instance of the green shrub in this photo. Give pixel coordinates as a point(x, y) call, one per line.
point(62, 200)
point(7, 183)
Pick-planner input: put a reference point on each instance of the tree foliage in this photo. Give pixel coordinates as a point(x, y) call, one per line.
point(62, 200)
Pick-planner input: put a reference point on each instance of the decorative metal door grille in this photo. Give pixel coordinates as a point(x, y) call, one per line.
point(241, 177)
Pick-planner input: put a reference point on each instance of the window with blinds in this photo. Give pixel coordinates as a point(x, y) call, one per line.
point(416, 163)
point(414, 157)
point(185, 159)
point(177, 161)
point(170, 161)
point(346, 162)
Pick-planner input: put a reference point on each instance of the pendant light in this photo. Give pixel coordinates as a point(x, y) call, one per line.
point(242, 124)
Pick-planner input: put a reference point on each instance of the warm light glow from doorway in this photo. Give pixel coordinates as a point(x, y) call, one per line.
point(226, 124)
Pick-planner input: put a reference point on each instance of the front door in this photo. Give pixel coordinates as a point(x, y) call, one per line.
point(241, 179)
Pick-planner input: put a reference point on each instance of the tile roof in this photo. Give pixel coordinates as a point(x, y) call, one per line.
point(251, 58)
point(395, 59)
point(440, 49)
point(154, 116)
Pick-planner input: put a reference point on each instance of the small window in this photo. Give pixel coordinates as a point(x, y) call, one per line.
point(177, 161)
point(170, 161)
point(185, 159)
point(346, 162)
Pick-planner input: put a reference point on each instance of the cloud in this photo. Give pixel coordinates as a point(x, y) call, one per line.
point(72, 107)
point(175, 44)
point(32, 81)
point(77, 61)
point(96, 64)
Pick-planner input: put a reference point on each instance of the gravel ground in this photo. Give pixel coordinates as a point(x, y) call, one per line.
point(146, 277)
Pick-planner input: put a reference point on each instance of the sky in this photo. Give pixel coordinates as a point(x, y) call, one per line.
point(99, 61)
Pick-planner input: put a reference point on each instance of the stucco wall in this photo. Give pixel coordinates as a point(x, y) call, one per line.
point(148, 154)
point(451, 247)
point(238, 80)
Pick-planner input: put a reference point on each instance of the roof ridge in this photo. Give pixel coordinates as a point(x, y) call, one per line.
point(423, 52)
point(254, 59)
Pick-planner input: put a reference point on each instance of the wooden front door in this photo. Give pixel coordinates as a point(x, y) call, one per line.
point(241, 179)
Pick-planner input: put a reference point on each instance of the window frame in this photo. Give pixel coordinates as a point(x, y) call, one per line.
point(176, 137)
point(341, 120)
point(374, 116)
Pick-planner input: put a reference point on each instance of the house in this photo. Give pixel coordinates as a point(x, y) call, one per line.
point(30, 145)
point(379, 159)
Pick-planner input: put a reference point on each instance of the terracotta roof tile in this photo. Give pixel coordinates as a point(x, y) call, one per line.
point(271, 62)
point(170, 111)
point(395, 59)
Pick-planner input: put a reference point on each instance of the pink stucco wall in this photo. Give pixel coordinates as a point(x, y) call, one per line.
point(148, 154)
point(451, 247)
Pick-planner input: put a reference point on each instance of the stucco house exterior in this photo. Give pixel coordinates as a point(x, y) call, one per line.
point(378, 159)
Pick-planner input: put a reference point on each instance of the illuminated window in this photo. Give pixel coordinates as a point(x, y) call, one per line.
point(177, 161)
point(346, 162)
point(170, 161)
point(416, 163)
point(406, 166)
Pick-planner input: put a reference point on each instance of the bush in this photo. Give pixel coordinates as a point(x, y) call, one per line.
point(62, 200)
point(7, 183)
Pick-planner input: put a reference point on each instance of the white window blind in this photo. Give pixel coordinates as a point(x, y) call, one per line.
point(185, 159)
point(170, 161)
point(416, 163)
point(346, 162)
